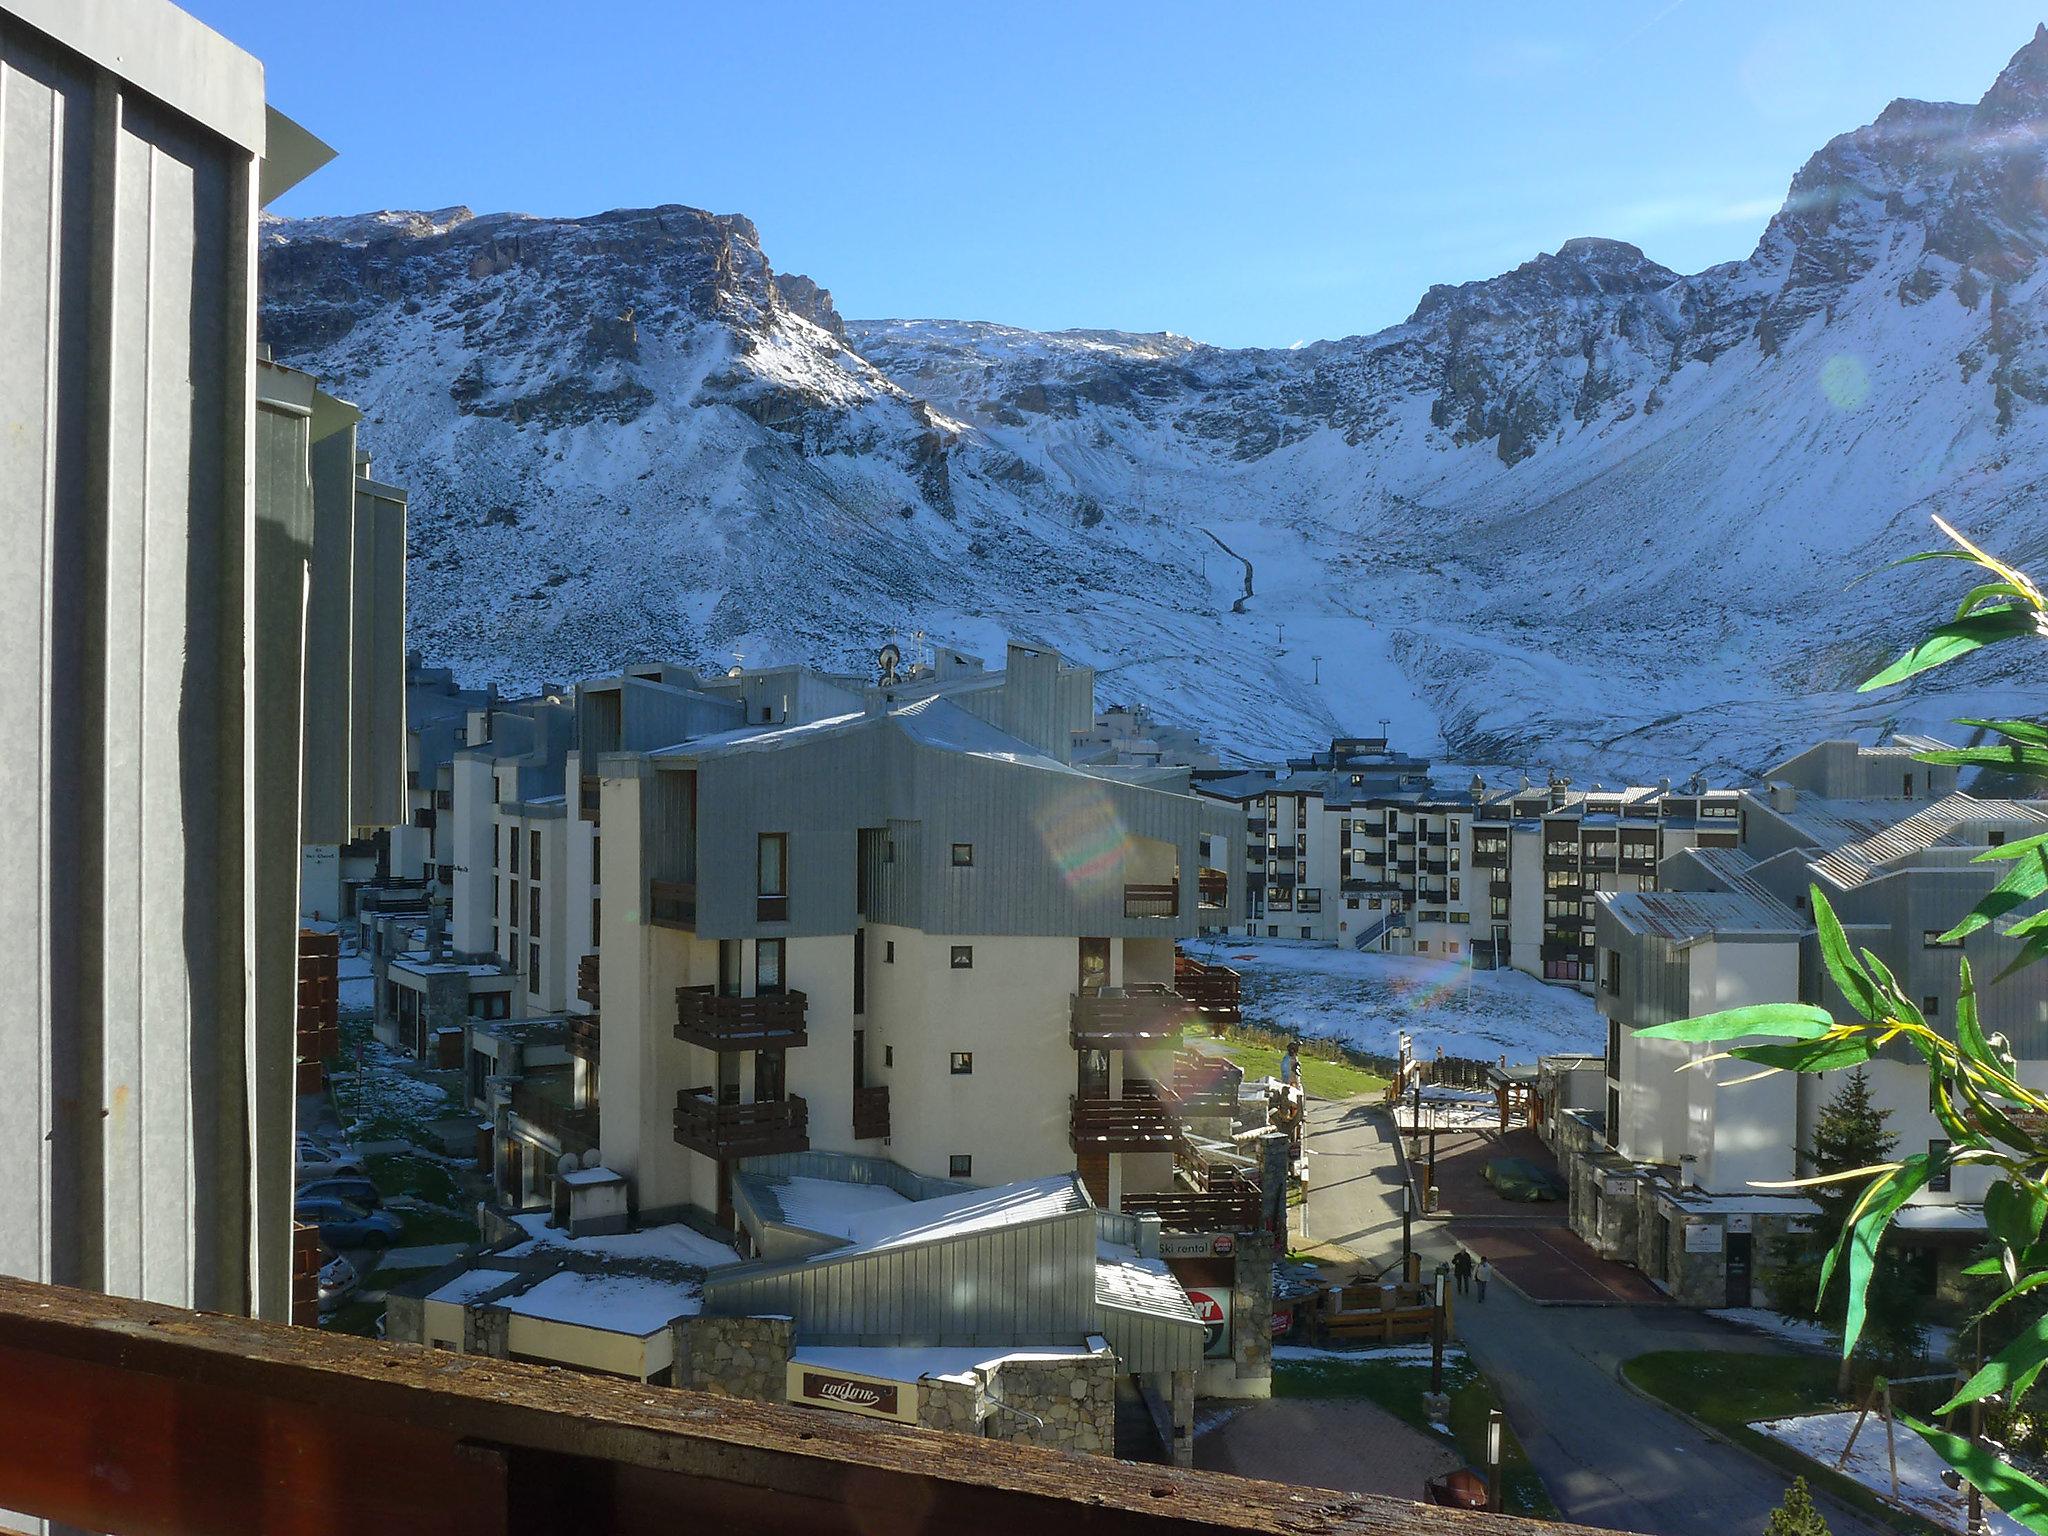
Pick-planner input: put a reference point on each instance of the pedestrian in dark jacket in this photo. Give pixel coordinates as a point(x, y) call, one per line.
point(1461, 1268)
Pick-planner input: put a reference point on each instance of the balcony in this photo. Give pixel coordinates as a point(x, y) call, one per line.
point(1151, 901)
point(871, 1114)
point(1488, 856)
point(1500, 888)
point(1405, 837)
point(586, 980)
point(1231, 1203)
point(672, 904)
point(777, 1022)
point(727, 1131)
point(102, 1388)
point(1209, 990)
point(587, 798)
point(1137, 1122)
point(1212, 888)
point(1255, 825)
point(574, 1130)
point(1405, 866)
point(1437, 839)
point(1139, 1016)
point(1437, 863)
point(583, 1035)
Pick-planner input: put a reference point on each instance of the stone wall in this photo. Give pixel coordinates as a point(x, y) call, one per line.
point(1251, 1310)
point(949, 1405)
point(736, 1356)
point(1074, 1398)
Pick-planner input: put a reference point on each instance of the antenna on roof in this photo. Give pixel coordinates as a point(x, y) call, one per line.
point(888, 659)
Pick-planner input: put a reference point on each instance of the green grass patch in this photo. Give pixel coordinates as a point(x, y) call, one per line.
point(355, 1316)
point(403, 1174)
point(1729, 1392)
point(423, 1227)
point(1327, 1071)
point(1399, 1386)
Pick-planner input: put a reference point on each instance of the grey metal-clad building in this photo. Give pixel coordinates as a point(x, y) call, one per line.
point(330, 627)
point(377, 701)
point(131, 149)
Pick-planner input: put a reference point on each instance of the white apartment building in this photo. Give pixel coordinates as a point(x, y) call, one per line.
point(1357, 845)
point(1890, 843)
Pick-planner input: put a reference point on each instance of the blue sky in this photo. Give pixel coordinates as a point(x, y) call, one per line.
point(1246, 174)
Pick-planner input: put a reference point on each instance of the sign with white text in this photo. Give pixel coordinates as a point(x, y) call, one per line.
point(849, 1393)
point(1213, 1308)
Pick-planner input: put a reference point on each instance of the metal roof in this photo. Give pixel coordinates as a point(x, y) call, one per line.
point(1685, 916)
point(1957, 820)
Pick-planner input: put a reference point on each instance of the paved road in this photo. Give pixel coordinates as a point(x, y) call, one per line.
point(1609, 1457)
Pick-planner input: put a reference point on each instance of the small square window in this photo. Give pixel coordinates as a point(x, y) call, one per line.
point(963, 957)
point(888, 1055)
point(963, 855)
point(1306, 931)
point(1272, 930)
point(963, 1063)
point(888, 951)
point(960, 1166)
point(1931, 1006)
point(1422, 946)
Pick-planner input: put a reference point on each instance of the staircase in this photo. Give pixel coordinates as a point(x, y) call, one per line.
point(1393, 920)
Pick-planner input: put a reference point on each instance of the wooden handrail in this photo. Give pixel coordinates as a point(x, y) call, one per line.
point(126, 1415)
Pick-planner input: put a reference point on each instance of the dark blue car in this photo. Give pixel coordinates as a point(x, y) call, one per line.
point(344, 1224)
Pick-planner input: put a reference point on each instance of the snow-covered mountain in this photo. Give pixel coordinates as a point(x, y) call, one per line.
point(1590, 512)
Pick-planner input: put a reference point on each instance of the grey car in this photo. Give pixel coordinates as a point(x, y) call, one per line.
point(353, 1188)
point(344, 1224)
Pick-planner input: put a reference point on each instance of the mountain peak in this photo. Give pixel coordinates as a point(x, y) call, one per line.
point(2020, 93)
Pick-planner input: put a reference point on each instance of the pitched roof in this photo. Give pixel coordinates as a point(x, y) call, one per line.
point(1956, 819)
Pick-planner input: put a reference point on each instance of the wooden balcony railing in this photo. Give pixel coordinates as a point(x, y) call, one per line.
point(1139, 1016)
point(1137, 1122)
point(586, 979)
point(871, 1113)
point(587, 797)
point(727, 1131)
point(1151, 901)
point(1212, 886)
point(1231, 1203)
point(772, 1023)
point(583, 1036)
point(1210, 990)
point(575, 1129)
point(672, 904)
point(133, 1416)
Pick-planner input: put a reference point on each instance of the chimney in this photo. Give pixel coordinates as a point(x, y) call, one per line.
point(1784, 797)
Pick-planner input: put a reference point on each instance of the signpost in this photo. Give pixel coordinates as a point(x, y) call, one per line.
point(1436, 1335)
point(1493, 1453)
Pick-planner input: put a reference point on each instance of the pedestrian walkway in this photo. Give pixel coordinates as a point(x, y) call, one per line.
point(1609, 1456)
point(430, 1256)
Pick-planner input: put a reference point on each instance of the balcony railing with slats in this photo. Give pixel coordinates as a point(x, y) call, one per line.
point(1151, 901)
point(1210, 990)
point(672, 904)
point(1138, 1016)
point(775, 1022)
point(871, 1113)
point(726, 1131)
point(1138, 1121)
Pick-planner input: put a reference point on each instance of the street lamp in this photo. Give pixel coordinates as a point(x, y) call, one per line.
point(1436, 1335)
point(1493, 1433)
point(1407, 1222)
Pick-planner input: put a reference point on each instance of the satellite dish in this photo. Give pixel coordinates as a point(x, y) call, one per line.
point(889, 657)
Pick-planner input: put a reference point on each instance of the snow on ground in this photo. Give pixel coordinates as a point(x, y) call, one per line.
point(384, 1083)
point(1804, 1332)
point(1452, 1109)
point(1367, 999)
point(613, 1301)
point(828, 1205)
point(354, 985)
point(672, 1241)
point(1398, 1354)
point(1821, 1437)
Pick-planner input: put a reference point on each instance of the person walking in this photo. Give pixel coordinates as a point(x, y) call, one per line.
point(1483, 1274)
point(1461, 1270)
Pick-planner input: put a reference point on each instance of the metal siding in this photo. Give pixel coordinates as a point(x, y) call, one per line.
point(377, 697)
point(329, 758)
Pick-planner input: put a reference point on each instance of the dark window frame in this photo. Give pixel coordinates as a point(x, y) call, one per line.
point(961, 1063)
point(962, 957)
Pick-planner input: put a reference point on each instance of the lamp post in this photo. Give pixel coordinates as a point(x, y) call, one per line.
point(1407, 1222)
point(1493, 1434)
point(1436, 1335)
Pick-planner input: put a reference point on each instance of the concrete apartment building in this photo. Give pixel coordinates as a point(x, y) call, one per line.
point(1358, 845)
point(161, 761)
point(1664, 1163)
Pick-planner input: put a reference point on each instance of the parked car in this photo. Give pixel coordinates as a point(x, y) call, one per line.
point(352, 1187)
point(326, 1160)
point(344, 1224)
point(338, 1280)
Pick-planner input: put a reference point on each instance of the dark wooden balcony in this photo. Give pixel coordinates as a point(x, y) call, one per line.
point(871, 1113)
point(1500, 888)
point(777, 1022)
point(542, 1103)
point(726, 1131)
point(1405, 837)
point(1209, 990)
point(1140, 1016)
point(583, 1035)
point(1140, 1121)
point(1213, 887)
point(1484, 857)
point(672, 904)
point(1231, 1203)
point(132, 1415)
point(587, 797)
point(1151, 901)
point(1255, 825)
point(586, 979)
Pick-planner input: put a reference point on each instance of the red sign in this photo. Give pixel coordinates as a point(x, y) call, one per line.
point(1283, 1322)
point(844, 1392)
point(1214, 1312)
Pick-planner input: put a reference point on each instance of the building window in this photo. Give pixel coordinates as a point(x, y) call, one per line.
point(535, 859)
point(1938, 1167)
point(1307, 932)
point(768, 977)
point(494, 845)
point(1272, 930)
point(596, 859)
point(1930, 1006)
point(496, 946)
point(963, 855)
point(960, 1166)
point(1500, 906)
point(771, 858)
point(1931, 938)
point(963, 1063)
point(596, 927)
point(1909, 786)
point(1422, 946)
point(1995, 838)
point(533, 968)
point(888, 951)
point(963, 957)
point(1454, 888)
point(512, 841)
point(1614, 971)
point(533, 912)
point(494, 897)
point(1614, 1049)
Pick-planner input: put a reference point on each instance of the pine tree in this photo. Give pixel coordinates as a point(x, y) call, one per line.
point(1796, 1516)
point(1849, 1133)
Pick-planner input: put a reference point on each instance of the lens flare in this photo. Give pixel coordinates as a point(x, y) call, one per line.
point(1845, 381)
point(1085, 840)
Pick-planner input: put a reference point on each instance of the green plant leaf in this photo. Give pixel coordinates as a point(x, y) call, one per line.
point(2018, 1289)
point(2006, 1486)
point(2013, 730)
point(2007, 758)
point(2027, 1351)
point(2013, 1212)
point(1809, 1055)
point(1854, 981)
point(1978, 596)
point(1985, 627)
point(1868, 1218)
point(1797, 1021)
point(2027, 879)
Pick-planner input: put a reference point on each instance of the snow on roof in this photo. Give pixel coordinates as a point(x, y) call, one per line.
point(421, 963)
point(1941, 1217)
point(599, 1175)
point(946, 727)
point(672, 1242)
point(1123, 1279)
point(825, 1206)
point(765, 738)
point(614, 1301)
point(472, 1283)
point(901, 1363)
point(950, 1216)
point(1700, 1203)
point(1689, 915)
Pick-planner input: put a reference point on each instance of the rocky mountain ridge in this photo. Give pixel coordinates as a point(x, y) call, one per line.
point(1590, 512)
